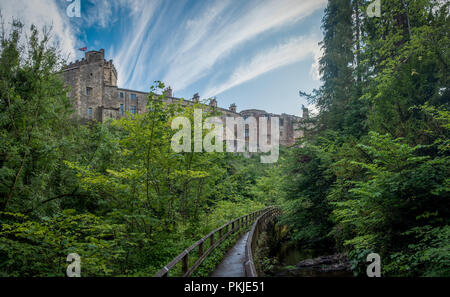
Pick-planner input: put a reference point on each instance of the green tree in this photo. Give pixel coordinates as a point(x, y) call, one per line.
point(34, 112)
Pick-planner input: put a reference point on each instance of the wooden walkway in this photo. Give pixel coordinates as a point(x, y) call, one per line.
point(238, 262)
point(232, 264)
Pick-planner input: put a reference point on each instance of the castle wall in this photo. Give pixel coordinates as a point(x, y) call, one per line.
point(72, 78)
point(287, 124)
point(95, 95)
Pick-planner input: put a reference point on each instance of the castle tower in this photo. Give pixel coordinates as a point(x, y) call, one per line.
point(196, 98)
point(88, 79)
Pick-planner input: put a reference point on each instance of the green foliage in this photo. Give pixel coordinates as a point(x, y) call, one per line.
point(402, 188)
point(30, 248)
point(115, 193)
point(307, 181)
point(373, 173)
point(428, 255)
point(34, 111)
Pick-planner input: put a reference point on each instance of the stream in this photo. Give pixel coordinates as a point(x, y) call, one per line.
point(289, 255)
point(284, 257)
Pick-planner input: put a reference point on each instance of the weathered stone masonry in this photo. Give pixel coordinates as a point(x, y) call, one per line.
point(96, 96)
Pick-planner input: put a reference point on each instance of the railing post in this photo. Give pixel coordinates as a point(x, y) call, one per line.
point(200, 249)
point(185, 264)
point(241, 222)
point(220, 233)
point(212, 239)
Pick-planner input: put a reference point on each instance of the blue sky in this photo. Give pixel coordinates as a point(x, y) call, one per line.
point(255, 53)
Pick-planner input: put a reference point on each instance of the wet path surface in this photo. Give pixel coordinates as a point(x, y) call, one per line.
point(232, 264)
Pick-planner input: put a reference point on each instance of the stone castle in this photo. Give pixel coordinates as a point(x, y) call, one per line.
point(96, 96)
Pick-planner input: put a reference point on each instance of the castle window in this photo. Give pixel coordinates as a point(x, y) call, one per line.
point(90, 111)
point(88, 91)
point(121, 95)
point(133, 96)
point(121, 109)
point(133, 109)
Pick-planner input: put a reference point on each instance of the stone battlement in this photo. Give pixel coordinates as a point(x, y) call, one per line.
point(92, 57)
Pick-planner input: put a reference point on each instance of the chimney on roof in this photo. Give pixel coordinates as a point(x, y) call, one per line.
point(168, 92)
point(305, 112)
point(233, 107)
point(213, 102)
point(196, 97)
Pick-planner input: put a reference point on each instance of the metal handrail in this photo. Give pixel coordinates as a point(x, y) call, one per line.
point(258, 226)
point(183, 257)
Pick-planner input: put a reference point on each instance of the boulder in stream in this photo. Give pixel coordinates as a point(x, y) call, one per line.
point(337, 262)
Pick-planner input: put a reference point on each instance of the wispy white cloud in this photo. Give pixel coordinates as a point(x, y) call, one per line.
point(192, 46)
point(197, 29)
point(104, 13)
point(203, 54)
point(130, 51)
point(281, 55)
point(179, 42)
point(43, 13)
point(100, 13)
